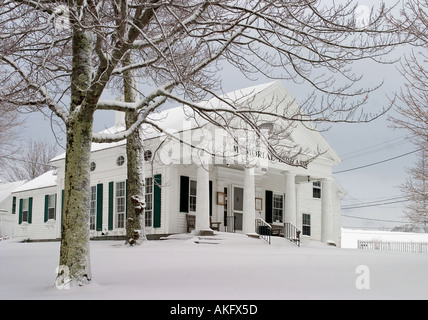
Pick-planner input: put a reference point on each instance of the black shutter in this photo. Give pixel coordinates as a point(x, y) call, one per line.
point(110, 204)
point(269, 203)
point(99, 207)
point(184, 194)
point(157, 201)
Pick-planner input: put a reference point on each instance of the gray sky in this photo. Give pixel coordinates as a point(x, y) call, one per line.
point(357, 144)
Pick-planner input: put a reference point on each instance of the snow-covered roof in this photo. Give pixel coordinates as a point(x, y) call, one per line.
point(183, 118)
point(48, 179)
point(172, 119)
point(7, 188)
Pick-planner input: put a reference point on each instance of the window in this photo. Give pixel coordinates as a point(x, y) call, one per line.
point(148, 155)
point(306, 224)
point(316, 189)
point(51, 207)
point(192, 196)
point(92, 166)
point(149, 202)
point(120, 204)
point(13, 205)
point(25, 210)
point(120, 160)
point(278, 207)
point(93, 208)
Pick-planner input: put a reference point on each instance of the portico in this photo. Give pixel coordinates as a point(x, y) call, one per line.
point(286, 195)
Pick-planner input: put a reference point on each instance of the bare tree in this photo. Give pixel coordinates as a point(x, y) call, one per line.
point(66, 55)
point(31, 162)
point(10, 122)
point(412, 110)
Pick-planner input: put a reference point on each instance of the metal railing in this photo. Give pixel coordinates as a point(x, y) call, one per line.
point(264, 229)
point(292, 233)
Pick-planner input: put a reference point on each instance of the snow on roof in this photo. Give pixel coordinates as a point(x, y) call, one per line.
point(7, 188)
point(172, 119)
point(48, 179)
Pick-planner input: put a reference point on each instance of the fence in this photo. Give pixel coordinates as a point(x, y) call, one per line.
point(415, 247)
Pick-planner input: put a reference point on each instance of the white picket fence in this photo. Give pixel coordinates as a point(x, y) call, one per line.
point(415, 247)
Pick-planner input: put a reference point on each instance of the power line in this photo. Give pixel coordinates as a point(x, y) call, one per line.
point(372, 219)
point(379, 162)
point(373, 205)
point(377, 148)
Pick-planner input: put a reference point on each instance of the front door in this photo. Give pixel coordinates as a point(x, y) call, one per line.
point(238, 206)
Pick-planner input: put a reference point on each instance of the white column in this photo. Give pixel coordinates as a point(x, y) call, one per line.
point(249, 205)
point(298, 214)
point(202, 199)
point(326, 210)
point(290, 198)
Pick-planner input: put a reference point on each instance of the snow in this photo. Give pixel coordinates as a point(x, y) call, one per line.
point(225, 266)
point(7, 188)
point(350, 237)
point(174, 119)
point(47, 179)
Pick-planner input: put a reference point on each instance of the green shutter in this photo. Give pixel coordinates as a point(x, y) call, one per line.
point(268, 206)
point(62, 206)
point(13, 205)
point(30, 210)
point(184, 194)
point(99, 207)
point(21, 202)
point(157, 201)
point(110, 205)
point(46, 208)
point(55, 204)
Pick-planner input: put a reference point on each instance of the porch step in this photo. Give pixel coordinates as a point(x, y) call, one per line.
point(207, 240)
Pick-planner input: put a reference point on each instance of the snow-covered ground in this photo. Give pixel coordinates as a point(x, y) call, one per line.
point(228, 266)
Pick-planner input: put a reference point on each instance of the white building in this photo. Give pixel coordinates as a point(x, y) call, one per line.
point(232, 184)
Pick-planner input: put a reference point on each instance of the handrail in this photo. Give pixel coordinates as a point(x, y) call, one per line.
point(292, 233)
point(264, 229)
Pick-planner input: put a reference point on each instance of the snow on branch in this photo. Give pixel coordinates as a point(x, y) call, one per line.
point(47, 99)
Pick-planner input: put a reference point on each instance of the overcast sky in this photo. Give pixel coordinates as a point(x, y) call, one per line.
point(357, 144)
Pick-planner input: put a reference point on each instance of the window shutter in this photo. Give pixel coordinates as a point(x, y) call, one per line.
point(21, 202)
point(55, 204)
point(110, 205)
point(157, 201)
point(99, 207)
point(13, 205)
point(62, 206)
point(268, 206)
point(184, 194)
point(30, 210)
point(46, 218)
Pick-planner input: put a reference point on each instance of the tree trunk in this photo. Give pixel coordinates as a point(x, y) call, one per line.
point(135, 226)
point(74, 252)
point(74, 264)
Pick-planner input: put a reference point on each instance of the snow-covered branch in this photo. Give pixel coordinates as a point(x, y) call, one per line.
point(46, 98)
